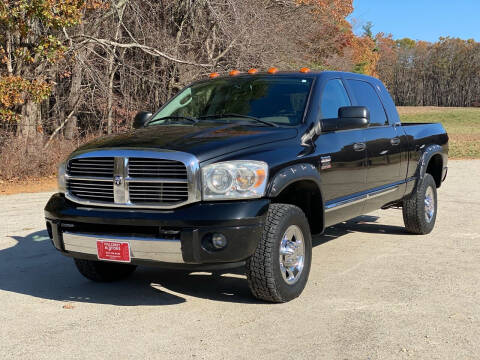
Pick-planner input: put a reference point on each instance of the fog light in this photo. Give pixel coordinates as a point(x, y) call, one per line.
point(219, 241)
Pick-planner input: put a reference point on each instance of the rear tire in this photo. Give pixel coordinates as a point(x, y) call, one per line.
point(278, 270)
point(420, 209)
point(100, 271)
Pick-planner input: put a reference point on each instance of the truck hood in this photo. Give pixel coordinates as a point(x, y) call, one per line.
point(204, 140)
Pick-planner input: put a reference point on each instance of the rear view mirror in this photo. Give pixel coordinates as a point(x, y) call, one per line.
point(141, 118)
point(349, 117)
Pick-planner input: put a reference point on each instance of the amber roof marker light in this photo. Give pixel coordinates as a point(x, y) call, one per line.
point(272, 70)
point(304, 70)
point(234, 73)
point(213, 75)
point(252, 71)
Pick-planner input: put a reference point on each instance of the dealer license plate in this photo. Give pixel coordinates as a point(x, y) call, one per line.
point(113, 251)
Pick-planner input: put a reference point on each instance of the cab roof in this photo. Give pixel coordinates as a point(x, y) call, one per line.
point(299, 74)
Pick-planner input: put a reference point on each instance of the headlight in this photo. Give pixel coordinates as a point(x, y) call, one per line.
point(239, 179)
point(62, 182)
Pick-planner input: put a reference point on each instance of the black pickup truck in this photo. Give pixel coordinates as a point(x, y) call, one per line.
point(241, 170)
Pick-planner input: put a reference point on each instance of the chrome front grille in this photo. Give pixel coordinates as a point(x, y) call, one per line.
point(142, 192)
point(155, 168)
point(91, 189)
point(131, 178)
point(94, 166)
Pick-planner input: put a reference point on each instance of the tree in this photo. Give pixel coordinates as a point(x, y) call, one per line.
point(367, 30)
point(29, 46)
point(365, 55)
point(387, 58)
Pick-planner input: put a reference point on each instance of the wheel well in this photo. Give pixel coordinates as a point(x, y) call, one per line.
point(306, 195)
point(435, 167)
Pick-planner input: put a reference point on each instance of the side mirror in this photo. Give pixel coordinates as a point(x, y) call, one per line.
point(349, 117)
point(141, 118)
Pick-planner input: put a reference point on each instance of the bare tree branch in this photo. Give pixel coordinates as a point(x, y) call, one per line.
point(60, 127)
point(147, 49)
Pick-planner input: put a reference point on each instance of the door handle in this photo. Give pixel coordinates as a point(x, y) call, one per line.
point(359, 146)
point(395, 141)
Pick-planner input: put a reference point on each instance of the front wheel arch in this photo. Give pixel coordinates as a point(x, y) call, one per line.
point(299, 185)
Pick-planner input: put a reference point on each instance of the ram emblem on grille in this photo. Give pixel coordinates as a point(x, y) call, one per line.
point(118, 180)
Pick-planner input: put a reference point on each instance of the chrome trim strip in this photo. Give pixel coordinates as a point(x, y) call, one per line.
point(155, 180)
point(118, 174)
point(378, 193)
point(152, 249)
point(191, 163)
point(74, 177)
point(126, 192)
point(364, 197)
point(344, 203)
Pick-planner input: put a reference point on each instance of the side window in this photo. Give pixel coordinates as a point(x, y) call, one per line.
point(367, 96)
point(334, 96)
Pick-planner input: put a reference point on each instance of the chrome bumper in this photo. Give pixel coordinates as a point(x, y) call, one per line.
point(153, 249)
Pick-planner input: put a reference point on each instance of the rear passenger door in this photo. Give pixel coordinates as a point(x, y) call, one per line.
point(384, 148)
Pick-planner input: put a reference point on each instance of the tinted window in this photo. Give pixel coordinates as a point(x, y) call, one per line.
point(334, 96)
point(280, 100)
point(367, 96)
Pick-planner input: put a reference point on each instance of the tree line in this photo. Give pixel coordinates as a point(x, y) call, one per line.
point(71, 69)
point(418, 73)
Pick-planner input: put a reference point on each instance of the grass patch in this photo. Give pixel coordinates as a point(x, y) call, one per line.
point(462, 125)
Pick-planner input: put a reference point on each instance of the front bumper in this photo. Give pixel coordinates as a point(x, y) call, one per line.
point(141, 248)
point(176, 236)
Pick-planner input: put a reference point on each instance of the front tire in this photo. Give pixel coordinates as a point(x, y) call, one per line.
point(278, 270)
point(420, 209)
point(101, 271)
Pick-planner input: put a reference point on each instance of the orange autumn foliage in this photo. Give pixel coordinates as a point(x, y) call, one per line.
point(337, 37)
point(365, 56)
point(332, 11)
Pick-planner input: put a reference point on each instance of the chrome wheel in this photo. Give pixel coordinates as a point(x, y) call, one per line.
point(292, 254)
point(429, 204)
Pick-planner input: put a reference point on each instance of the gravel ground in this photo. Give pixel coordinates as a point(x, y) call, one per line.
point(374, 292)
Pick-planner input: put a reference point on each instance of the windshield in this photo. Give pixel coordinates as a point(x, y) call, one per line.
point(280, 100)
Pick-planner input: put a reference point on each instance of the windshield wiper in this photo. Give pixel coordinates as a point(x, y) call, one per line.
point(173, 118)
point(238, 116)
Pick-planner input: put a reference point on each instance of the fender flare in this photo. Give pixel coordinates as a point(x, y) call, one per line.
point(427, 155)
point(422, 165)
point(292, 174)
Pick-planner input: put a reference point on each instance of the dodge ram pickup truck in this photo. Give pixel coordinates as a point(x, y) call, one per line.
point(240, 170)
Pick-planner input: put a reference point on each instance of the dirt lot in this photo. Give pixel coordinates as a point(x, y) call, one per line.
point(28, 186)
point(374, 292)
